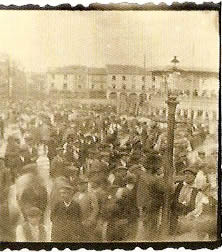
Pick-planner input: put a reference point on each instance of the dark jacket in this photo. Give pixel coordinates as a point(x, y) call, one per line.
point(150, 192)
point(66, 225)
point(57, 167)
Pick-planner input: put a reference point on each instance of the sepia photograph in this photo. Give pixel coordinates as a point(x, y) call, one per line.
point(109, 126)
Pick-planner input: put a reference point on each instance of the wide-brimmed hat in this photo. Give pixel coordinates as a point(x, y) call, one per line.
point(136, 167)
point(120, 168)
point(192, 169)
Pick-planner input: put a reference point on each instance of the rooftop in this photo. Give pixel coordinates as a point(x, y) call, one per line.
point(124, 69)
point(131, 69)
point(68, 69)
point(185, 69)
point(96, 70)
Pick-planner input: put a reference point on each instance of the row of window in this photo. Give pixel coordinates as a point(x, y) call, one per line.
point(124, 86)
point(65, 76)
point(113, 77)
point(65, 86)
point(124, 78)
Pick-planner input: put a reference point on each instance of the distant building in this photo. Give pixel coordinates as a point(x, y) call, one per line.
point(12, 80)
point(136, 90)
point(198, 83)
point(197, 94)
point(4, 81)
point(69, 81)
point(127, 79)
point(36, 84)
point(97, 82)
point(128, 84)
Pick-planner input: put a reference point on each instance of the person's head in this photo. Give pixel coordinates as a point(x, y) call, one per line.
point(34, 216)
point(59, 151)
point(2, 162)
point(125, 157)
point(201, 154)
point(83, 185)
point(66, 193)
point(93, 185)
point(131, 181)
point(190, 175)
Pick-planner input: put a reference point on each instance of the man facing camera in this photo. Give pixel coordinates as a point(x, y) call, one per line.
point(66, 218)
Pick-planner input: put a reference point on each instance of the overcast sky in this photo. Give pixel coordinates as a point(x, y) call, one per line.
point(41, 39)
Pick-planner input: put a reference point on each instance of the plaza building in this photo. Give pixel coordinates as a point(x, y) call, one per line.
point(126, 84)
point(197, 93)
point(138, 91)
point(70, 81)
point(97, 82)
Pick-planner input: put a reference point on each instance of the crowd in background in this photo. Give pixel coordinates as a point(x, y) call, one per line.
point(70, 175)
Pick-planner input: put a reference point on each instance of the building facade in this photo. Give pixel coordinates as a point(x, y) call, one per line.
point(197, 93)
point(69, 81)
point(136, 90)
point(97, 82)
point(36, 84)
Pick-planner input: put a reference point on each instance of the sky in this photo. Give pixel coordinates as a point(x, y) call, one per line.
point(41, 39)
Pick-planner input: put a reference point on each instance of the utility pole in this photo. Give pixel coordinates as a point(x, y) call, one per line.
point(9, 83)
point(9, 78)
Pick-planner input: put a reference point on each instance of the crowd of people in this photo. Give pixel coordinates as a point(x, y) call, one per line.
point(74, 175)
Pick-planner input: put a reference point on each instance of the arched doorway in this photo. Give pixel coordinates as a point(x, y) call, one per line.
point(113, 96)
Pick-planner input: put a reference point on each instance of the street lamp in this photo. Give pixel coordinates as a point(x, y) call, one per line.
point(169, 169)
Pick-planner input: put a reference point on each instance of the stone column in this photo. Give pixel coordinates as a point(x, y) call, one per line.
point(194, 114)
point(189, 113)
point(182, 112)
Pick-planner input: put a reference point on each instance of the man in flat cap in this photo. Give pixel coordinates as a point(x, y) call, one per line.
point(66, 217)
point(187, 203)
